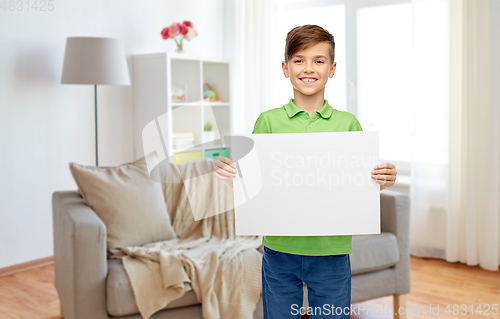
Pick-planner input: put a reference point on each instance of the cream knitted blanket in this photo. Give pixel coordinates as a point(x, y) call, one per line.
point(222, 269)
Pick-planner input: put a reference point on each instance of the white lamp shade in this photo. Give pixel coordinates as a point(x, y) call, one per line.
point(90, 60)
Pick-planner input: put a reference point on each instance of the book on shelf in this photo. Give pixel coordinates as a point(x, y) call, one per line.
point(184, 142)
point(183, 139)
point(176, 147)
point(183, 134)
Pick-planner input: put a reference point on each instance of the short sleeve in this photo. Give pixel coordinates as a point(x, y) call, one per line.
point(261, 126)
point(355, 126)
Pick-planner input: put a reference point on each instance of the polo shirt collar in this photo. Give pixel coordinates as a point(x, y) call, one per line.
point(292, 109)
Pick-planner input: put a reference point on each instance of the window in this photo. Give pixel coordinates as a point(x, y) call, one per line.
point(384, 77)
point(374, 47)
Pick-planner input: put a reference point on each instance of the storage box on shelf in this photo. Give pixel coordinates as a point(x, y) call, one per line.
point(155, 75)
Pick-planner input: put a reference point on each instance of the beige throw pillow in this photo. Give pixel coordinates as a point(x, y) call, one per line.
point(129, 203)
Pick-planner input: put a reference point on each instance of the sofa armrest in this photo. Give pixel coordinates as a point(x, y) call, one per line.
point(395, 218)
point(261, 248)
point(80, 264)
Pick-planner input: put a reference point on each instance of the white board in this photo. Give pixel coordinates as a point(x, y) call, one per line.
point(306, 184)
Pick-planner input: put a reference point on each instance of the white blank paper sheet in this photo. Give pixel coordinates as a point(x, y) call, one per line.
point(307, 184)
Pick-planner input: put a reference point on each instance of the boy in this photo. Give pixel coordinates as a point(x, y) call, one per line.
point(322, 262)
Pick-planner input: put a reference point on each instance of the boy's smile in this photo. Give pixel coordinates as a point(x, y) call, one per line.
point(309, 80)
point(309, 71)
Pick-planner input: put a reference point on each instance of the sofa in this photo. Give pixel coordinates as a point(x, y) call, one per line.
point(91, 286)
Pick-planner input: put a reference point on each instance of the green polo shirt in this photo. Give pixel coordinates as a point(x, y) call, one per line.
point(292, 119)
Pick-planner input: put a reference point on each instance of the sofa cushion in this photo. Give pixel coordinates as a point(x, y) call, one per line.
point(120, 297)
point(127, 200)
point(373, 252)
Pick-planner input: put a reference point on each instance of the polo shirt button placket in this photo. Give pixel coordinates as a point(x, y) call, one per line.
point(306, 118)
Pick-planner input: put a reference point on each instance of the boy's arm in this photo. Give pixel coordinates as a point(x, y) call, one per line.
point(261, 126)
point(355, 126)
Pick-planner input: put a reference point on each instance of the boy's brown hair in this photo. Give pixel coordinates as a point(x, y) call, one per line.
point(303, 37)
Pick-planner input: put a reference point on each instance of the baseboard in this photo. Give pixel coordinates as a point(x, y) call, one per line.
point(26, 266)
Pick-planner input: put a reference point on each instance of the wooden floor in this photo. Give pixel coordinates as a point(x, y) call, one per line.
point(31, 294)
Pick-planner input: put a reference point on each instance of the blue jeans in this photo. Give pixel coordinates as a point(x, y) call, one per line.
point(328, 280)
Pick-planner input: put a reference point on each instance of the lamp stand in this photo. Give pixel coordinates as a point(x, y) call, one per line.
point(95, 102)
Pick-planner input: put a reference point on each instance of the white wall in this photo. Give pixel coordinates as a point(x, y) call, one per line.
point(44, 125)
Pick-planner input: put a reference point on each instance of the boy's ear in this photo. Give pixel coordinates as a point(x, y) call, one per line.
point(332, 69)
point(285, 69)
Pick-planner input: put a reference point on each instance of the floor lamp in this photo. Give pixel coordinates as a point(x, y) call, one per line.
point(96, 61)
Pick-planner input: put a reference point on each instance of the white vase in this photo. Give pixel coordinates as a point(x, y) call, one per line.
point(208, 136)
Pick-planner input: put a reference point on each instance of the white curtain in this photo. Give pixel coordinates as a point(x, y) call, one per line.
point(255, 67)
point(429, 187)
point(455, 205)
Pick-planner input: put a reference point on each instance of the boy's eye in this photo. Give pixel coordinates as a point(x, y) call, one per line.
point(316, 61)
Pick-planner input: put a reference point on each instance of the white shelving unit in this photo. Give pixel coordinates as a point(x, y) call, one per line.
point(153, 77)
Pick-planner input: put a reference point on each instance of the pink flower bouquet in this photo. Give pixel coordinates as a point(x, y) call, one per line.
point(182, 30)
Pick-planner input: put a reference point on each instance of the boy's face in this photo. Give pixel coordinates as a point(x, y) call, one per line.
point(313, 63)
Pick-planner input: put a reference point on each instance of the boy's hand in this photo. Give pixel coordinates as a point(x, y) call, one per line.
point(225, 170)
point(384, 174)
